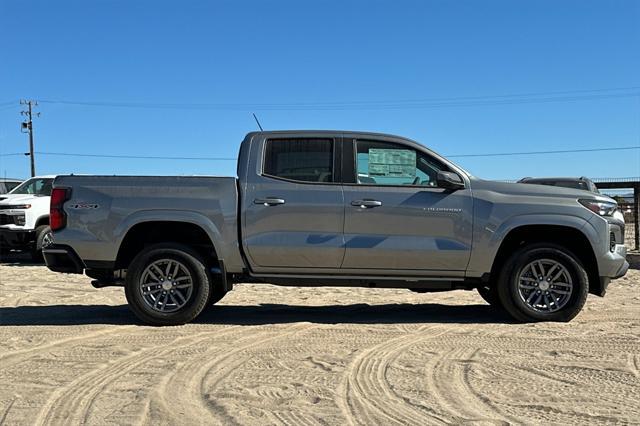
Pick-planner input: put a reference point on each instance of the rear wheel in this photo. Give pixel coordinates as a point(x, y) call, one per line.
point(167, 284)
point(543, 282)
point(217, 292)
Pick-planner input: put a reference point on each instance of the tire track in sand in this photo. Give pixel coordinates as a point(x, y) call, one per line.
point(186, 385)
point(365, 396)
point(448, 381)
point(73, 401)
point(634, 364)
point(15, 357)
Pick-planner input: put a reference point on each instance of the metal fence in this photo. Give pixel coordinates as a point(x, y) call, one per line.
point(630, 209)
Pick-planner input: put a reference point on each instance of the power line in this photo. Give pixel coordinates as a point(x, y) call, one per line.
point(563, 151)
point(137, 157)
point(504, 99)
point(330, 103)
point(345, 107)
point(147, 157)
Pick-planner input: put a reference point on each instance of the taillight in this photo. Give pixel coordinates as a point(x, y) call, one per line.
point(57, 216)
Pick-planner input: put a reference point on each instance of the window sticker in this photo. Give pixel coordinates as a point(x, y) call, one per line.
point(392, 162)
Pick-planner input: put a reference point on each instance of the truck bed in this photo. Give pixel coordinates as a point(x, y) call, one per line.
point(103, 208)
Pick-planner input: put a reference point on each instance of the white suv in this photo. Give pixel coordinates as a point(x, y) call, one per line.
point(24, 216)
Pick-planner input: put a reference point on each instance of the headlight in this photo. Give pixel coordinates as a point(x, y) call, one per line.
point(619, 215)
point(602, 208)
point(19, 207)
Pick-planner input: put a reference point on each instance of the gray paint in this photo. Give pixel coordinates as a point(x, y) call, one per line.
point(417, 231)
point(125, 201)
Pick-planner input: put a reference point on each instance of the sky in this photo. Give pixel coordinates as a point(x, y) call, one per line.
point(181, 79)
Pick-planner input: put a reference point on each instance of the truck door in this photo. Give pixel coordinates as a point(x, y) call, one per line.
point(293, 205)
point(396, 216)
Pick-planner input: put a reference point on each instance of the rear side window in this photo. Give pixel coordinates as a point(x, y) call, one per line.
point(305, 160)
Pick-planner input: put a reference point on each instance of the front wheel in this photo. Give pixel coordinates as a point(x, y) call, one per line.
point(167, 284)
point(543, 282)
point(490, 295)
point(44, 237)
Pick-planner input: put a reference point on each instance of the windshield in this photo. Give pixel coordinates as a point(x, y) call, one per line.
point(574, 184)
point(35, 186)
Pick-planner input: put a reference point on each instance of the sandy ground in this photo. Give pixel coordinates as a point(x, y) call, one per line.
point(70, 354)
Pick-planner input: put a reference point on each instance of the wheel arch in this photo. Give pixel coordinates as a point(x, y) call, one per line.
point(42, 220)
point(569, 237)
point(190, 230)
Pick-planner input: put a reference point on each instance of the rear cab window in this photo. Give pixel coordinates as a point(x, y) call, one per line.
point(309, 160)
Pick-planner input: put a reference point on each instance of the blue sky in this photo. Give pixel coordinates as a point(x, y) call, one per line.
point(281, 52)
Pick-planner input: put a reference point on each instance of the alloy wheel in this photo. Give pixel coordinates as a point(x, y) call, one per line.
point(545, 285)
point(166, 285)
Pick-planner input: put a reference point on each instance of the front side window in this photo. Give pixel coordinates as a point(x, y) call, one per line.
point(35, 186)
point(305, 160)
point(385, 163)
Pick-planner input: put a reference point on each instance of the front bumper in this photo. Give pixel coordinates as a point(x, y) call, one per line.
point(613, 265)
point(17, 238)
point(61, 258)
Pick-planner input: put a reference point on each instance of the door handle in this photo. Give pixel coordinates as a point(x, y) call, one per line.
point(366, 204)
point(268, 201)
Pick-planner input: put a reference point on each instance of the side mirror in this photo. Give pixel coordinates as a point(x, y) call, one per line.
point(449, 180)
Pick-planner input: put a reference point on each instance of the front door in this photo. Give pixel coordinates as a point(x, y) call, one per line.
point(397, 218)
point(294, 207)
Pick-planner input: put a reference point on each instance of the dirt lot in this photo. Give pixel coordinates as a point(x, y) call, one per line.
point(272, 355)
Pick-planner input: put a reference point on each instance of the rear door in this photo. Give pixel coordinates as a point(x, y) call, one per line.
point(293, 204)
point(397, 219)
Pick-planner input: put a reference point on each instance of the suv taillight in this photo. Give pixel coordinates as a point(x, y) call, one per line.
point(57, 216)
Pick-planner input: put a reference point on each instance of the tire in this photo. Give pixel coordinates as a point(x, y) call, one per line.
point(528, 299)
point(158, 298)
point(43, 238)
point(4, 253)
point(216, 294)
point(490, 295)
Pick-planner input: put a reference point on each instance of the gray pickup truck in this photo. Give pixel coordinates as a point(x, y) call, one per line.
point(335, 208)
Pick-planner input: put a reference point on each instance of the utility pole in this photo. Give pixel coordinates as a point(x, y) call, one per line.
point(27, 127)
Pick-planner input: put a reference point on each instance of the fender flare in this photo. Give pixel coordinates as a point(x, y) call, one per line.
point(488, 241)
point(40, 218)
point(184, 216)
point(576, 222)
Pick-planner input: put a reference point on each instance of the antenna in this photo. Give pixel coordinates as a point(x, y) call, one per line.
point(258, 122)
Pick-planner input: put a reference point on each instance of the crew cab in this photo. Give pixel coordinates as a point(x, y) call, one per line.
point(335, 208)
point(24, 217)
